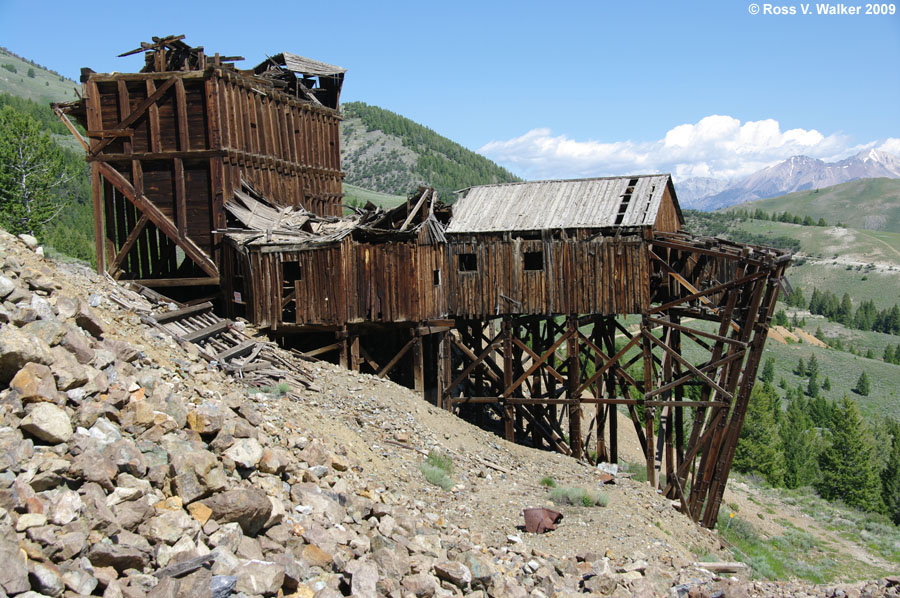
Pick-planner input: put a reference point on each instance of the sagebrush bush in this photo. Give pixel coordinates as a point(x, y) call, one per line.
point(578, 496)
point(437, 468)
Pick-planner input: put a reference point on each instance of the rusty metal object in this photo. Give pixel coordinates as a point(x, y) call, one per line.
point(541, 519)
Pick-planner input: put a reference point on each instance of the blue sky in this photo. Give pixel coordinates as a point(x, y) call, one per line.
point(546, 88)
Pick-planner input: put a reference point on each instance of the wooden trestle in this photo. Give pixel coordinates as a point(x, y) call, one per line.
point(556, 382)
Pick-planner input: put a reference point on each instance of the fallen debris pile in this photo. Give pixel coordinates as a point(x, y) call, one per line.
point(131, 466)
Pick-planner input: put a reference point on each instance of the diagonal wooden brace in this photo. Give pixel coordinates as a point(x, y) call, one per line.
point(136, 113)
point(156, 216)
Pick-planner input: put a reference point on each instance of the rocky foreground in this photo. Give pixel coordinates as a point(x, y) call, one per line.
point(130, 467)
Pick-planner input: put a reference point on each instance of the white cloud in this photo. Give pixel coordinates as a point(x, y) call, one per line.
point(716, 146)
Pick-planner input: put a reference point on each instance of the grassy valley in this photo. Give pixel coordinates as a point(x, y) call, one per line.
point(872, 204)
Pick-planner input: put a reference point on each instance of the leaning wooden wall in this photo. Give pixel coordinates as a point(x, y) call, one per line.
point(603, 275)
point(290, 150)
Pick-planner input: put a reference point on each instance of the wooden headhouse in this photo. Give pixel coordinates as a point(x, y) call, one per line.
point(169, 144)
point(542, 308)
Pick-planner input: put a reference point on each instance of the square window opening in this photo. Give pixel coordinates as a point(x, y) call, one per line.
point(534, 260)
point(468, 262)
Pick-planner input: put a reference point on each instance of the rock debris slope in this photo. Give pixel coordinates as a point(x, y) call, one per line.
point(131, 467)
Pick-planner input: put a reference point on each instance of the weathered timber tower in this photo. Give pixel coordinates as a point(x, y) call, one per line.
point(169, 144)
point(543, 307)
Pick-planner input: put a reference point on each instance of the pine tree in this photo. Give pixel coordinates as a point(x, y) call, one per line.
point(758, 447)
point(848, 470)
point(812, 366)
point(890, 477)
point(826, 386)
point(768, 373)
point(32, 171)
point(862, 385)
point(798, 442)
point(800, 370)
point(888, 355)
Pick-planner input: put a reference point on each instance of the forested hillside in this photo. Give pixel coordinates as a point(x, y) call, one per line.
point(386, 152)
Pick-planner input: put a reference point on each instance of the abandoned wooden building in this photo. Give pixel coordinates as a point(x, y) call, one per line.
point(542, 307)
point(169, 144)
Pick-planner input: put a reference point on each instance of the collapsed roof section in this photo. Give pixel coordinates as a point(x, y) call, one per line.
point(421, 219)
point(319, 82)
point(308, 79)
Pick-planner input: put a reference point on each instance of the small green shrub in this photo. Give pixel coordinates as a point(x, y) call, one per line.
point(437, 468)
point(440, 460)
point(435, 475)
point(548, 482)
point(578, 496)
point(10, 68)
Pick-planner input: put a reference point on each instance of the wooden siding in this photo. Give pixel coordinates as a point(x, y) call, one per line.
point(347, 282)
point(667, 216)
point(188, 150)
point(604, 275)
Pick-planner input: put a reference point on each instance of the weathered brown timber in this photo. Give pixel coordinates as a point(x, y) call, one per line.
point(184, 132)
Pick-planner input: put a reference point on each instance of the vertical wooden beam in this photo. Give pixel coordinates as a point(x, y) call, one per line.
point(343, 339)
point(573, 379)
point(181, 116)
point(154, 141)
point(180, 199)
point(418, 362)
point(354, 352)
point(99, 233)
point(508, 410)
point(649, 447)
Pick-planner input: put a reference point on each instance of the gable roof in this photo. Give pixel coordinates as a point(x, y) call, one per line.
point(607, 202)
point(303, 65)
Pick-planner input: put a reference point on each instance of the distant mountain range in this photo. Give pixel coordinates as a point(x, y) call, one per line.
point(798, 173)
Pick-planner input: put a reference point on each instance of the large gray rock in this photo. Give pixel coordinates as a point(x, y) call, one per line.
point(88, 320)
point(363, 578)
point(421, 585)
point(18, 348)
point(120, 558)
point(249, 508)
point(6, 286)
point(80, 581)
point(46, 579)
point(259, 577)
point(222, 586)
point(49, 423)
point(196, 474)
point(169, 526)
point(245, 452)
point(393, 562)
point(14, 572)
point(454, 572)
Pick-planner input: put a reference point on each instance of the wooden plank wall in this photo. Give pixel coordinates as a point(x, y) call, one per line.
point(191, 148)
point(289, 149)
point(606, 275)
point(346, 283)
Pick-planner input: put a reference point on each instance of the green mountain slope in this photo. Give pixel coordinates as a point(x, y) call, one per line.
point(872, 204)
point(25, 79)
point(386, 152)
